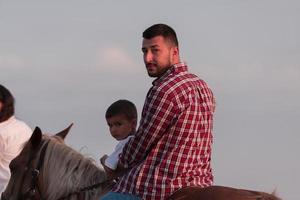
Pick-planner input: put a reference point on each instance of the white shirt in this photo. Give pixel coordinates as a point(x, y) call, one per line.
point(112, 160)
point(13, 134)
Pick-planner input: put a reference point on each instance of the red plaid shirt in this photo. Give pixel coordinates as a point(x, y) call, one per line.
point(172, 147)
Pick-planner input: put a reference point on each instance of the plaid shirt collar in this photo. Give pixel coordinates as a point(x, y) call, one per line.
point(176, 68)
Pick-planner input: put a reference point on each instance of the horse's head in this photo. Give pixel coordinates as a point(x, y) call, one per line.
point(25, 169)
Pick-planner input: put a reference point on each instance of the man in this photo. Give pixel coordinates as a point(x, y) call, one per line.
point(172, 146)
point(13, 134)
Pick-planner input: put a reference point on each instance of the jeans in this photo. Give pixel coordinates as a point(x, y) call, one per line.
point(119, 196)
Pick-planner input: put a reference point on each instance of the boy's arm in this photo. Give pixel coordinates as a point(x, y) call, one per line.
point(112, 173)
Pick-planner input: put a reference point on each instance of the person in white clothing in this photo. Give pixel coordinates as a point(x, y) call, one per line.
point(121, 118)
point(13, 134)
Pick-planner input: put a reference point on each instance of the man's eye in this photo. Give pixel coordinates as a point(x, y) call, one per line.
point(155, 50)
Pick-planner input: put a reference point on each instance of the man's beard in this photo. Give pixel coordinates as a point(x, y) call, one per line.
point(160, 69)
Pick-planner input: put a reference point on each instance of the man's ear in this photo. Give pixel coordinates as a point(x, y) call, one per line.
point(1, 106)
point(175, 51)
point(174, 55)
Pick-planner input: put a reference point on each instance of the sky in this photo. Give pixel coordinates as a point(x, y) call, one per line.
point(67, 61)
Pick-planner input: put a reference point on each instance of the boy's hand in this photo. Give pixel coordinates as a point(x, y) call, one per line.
point(102, 159)
point(110, 173)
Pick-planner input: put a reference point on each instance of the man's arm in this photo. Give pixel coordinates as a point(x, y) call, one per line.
point(158, 113)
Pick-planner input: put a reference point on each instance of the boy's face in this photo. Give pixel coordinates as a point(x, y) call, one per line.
point(120, 127)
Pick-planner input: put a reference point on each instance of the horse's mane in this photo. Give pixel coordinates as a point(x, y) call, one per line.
point(68, 170)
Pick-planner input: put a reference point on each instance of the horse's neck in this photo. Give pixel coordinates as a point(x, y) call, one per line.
point(67, 172)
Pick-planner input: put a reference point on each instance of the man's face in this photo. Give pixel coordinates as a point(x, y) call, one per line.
point(158, 55)
point(120, 127)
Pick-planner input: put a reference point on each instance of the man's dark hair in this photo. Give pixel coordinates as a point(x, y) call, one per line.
point(161, 30)
point(7, 99)
point(122, 107)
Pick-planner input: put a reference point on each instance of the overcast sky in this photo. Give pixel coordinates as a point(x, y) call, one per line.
point(67, 61)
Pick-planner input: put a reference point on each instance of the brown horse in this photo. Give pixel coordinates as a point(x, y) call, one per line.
point(220, 193)
point(47, 169)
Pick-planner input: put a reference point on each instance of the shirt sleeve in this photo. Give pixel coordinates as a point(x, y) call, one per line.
point(112, 160)
point(5, 159)
point(7, 153)
point(158, 113)
point(2, 149)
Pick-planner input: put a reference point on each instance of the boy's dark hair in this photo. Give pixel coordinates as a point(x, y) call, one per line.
point(161, 30)
point(122, 107)
point(8, 102)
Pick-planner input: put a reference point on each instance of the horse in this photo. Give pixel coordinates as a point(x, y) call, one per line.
point(220, 193)
point(47, 169)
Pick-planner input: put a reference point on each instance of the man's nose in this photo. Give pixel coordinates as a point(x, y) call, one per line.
point(148, 57)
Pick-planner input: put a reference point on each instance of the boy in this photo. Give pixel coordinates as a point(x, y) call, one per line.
point(121, 117)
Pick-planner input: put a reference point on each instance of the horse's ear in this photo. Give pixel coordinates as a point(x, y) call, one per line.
point(36, 138)
point(64, 133)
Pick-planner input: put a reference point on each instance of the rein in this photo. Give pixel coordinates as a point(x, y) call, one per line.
point(84, 189)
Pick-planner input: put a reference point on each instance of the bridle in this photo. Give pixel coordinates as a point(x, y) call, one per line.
point(34, 191)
